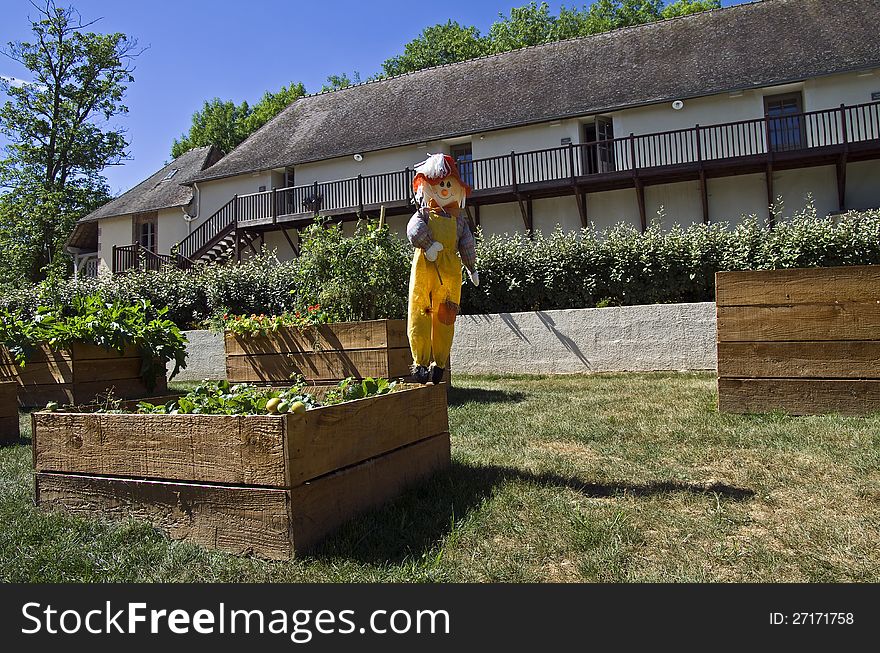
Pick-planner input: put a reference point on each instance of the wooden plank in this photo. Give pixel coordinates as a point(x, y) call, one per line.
point(60, 371)
point(106, 369)
point(238, 520)
point(334, 437)
point(70, 371)
point(854, 359)
point(400, 363)
point(84, 393)
point(340, 336)
point(8, 399)
point(247, 450)
point(799, 322)
point(39, 355)
point(314, 367)
point(37, 396)
point(9, 424)
point(9, 430)
point(80, 351)
point(319, 507)
point(850, 284)
point(43, 366)
point(397, 334)
point(798, 396)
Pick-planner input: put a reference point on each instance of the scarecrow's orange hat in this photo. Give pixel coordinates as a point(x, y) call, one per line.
point(435, 168)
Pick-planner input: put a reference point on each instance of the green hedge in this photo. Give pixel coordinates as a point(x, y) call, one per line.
point(365, 276)
point(623, 266)
point(353, 278)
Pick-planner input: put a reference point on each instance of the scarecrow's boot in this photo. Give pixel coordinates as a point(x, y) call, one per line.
point(437, 374)
point(421, 374)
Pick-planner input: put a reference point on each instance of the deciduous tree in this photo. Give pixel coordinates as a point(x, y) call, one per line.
point(439, 44)
point(59, 137)
point(225, 124)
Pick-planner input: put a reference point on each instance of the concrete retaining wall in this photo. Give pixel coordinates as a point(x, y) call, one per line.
point(206, 357)
point(619, 339)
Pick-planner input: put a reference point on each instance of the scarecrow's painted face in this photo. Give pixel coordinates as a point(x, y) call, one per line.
point(447, 191)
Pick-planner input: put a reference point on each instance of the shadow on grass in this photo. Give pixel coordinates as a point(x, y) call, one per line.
point(22, 439)
point(456, 396)
point(414, 523)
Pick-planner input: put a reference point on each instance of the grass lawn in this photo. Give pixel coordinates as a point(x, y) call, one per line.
point(618, 478)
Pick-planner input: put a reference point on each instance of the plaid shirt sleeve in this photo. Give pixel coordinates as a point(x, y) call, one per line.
point(467, 247)
point(417, 231)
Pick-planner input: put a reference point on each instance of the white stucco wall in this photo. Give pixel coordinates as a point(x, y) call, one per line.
point(834, 90)
point(730, 198)
point(611, 207)
point(373, 163)
point(112, 231)
point(521, 139)
point(680, 203)
point(171, 229)
point(863, 185)
point(791, 187)
point(214, 194)
point(703, 111)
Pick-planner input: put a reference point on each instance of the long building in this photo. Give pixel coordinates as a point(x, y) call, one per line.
point(708, 117)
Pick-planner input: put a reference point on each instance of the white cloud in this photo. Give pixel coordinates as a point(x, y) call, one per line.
point(18, 83)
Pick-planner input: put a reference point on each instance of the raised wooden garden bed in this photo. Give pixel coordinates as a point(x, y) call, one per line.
point(77, 375)
point(803, 341)
point(272, 485)
point(9, 431)
point(320, 354)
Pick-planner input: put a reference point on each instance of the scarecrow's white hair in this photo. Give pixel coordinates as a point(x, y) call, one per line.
point(434, 167)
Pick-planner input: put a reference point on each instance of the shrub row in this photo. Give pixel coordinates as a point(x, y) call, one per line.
point(623, 266)
point(366, 276)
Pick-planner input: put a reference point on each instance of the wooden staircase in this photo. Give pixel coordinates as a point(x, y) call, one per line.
point(214, 241)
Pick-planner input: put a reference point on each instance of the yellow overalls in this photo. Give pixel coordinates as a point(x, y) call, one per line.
point(430, 285)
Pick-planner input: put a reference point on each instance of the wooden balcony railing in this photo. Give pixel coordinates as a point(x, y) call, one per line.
point(137, 257)
point(570, 165)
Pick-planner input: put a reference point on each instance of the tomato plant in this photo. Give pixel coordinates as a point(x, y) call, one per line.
point(262, 325)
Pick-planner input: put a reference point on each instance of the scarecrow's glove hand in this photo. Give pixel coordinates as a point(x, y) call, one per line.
point(474, 277)
point(432, 252)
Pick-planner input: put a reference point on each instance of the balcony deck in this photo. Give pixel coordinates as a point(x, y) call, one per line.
point(763, 145)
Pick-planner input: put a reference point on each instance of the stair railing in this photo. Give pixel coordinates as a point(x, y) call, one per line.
point(208, 233)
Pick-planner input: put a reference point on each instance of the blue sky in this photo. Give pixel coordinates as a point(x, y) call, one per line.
point(237, 50)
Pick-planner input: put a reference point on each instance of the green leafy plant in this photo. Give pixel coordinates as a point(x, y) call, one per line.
point(350, 389)
point(222, 398)
point(91, 320)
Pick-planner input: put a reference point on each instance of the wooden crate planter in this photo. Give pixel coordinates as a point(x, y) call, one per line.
point(76, 375)
point(323, 353)
point(9, 431)
point(803, 341)
point(271, 485)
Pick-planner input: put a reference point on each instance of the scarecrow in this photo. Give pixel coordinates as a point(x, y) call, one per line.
point(437, 230)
